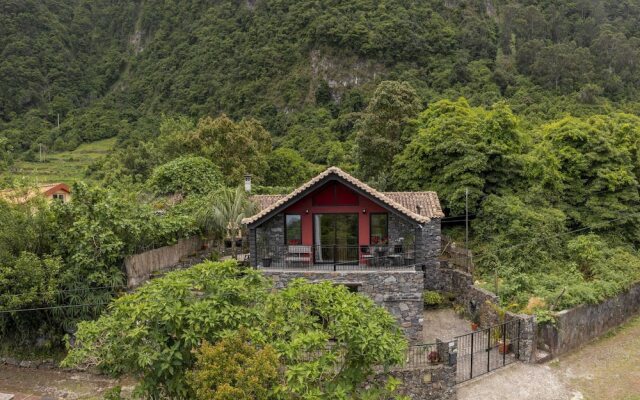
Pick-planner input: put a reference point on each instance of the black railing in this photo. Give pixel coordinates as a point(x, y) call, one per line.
point(334, 258)
point(485, 350)
point(420, 355)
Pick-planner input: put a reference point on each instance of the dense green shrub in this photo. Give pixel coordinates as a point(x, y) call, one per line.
point(234, 368)
point(152, 333)
point(186, 175)
point(70, 256)
point(432, 298)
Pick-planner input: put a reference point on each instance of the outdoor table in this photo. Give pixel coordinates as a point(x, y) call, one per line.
point(396, 259)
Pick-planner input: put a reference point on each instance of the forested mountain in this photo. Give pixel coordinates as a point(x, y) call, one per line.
point(303, 68)
point(528, 111)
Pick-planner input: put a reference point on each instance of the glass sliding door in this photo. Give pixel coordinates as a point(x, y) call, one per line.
point(335, 237)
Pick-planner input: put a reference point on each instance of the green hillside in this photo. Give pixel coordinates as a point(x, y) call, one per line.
point(110, 68)
point(529, 106)
point(64, 166)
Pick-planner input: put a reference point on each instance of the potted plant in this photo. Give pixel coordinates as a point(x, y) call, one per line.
point(504, 347)
point(433, 357)
point(503, 344)
point(475, 321)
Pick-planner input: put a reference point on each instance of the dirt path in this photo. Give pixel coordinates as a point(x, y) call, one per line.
point(608, 368)
point(28, 383)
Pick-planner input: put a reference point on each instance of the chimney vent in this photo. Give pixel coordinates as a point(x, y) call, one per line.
point(247, 183)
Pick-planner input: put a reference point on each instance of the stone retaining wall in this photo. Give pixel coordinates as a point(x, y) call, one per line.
point(480, 302)
point(399, 291)
point(435, 382)
point(579, 325)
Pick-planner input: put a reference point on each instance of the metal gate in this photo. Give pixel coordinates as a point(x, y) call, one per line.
point(485, 350)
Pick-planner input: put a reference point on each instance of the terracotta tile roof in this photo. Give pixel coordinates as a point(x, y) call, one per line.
point(265, 200)
point(423, 203)
point(420, 206)
point(54, 187)
point(23, 195)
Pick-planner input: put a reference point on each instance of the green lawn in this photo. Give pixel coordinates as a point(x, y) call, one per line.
point(66, 166)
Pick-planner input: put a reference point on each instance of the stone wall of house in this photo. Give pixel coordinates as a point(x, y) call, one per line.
point(399, 291)
point(267, 240)
point(402, 231)
point(429, 242)
point(426, 240)
point(579, 325)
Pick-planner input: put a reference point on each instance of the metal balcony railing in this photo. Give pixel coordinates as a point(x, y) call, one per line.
point(334, 258)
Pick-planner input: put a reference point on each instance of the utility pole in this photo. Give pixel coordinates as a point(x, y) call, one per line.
point(466, 218)
point(40, 145)
point(58, 121)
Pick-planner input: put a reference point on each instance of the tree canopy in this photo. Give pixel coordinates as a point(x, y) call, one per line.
point(322, 338)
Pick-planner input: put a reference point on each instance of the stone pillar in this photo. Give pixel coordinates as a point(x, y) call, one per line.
point(430, 242)
point(528, 339)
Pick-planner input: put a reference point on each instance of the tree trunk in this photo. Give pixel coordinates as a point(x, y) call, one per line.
point(234, 251)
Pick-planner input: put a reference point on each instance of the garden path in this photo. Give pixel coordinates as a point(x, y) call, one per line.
point(608, 368)
point(443, 324)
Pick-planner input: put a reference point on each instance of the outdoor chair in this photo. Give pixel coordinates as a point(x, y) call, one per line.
point(298, 256)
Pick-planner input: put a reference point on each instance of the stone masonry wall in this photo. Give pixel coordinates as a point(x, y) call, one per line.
point(429, 242)
point(435, 382)
point(480, 302)
point(269, 238)
point(579, 325)
point(400, 292)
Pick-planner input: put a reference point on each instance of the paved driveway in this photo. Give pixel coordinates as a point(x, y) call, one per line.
point(607, 369)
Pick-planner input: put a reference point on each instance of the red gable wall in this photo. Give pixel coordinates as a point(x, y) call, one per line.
point(334, 197)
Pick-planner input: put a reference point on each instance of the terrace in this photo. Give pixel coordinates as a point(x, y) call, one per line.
point(336, 258)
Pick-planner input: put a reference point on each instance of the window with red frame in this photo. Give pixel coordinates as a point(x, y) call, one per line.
point(379, 229)
point(293, 231)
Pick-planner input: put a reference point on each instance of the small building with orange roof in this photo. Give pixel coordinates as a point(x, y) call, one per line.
point(50, 191)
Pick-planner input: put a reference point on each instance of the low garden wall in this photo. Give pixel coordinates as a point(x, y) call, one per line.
point(576, 326)
point(422, 379)
point(399, 291)
point(480, 302)
point(435, 382)
point(140, 267)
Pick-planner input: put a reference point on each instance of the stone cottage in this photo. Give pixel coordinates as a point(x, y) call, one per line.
point(337, 228)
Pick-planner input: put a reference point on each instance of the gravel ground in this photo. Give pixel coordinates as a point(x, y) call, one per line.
point(443, 324)
point(607, 369)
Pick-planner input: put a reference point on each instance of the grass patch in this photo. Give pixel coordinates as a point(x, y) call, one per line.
point(65, 166)
point(18, 350)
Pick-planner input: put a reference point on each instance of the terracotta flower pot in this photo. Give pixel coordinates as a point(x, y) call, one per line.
point(504, 347)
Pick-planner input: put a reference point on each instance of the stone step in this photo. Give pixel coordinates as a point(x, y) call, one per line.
point(6, 396)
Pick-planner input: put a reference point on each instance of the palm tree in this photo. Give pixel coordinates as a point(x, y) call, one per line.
point(225, 212)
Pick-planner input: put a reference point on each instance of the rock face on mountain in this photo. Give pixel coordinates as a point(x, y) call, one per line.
point(106, 68)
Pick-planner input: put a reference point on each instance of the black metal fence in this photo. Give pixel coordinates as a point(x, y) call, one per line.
point(417, 356)
point(485, 350)
point(424, 354)
point(334, 258)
